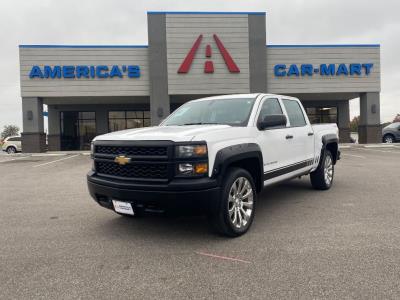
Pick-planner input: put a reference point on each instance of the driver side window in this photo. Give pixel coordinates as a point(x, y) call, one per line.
point(270, 107)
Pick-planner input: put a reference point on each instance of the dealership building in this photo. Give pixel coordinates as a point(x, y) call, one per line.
point(92, 90)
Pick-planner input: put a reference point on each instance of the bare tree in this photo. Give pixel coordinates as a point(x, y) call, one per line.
point(9, 130)
point(354, 124)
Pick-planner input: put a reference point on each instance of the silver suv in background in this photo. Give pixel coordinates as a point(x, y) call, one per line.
point(391, 133)
point(12, 144)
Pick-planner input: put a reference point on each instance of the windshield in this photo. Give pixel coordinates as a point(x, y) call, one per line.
point(233, 112)
point(393, 125)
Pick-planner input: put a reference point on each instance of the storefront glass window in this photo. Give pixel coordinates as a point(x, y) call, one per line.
point(120, 120)
point(116, 115)
point(322, 114)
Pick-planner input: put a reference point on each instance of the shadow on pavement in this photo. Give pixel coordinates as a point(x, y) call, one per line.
point(187, 227)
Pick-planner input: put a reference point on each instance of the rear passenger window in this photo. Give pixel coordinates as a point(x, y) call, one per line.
point(295, 114)
point(270, 107)
point(14, 139)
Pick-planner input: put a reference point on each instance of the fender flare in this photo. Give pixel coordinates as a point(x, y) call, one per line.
point(329, 139)
point(235, 153)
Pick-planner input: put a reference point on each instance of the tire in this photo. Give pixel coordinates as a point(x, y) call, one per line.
point(11, 150)
point(388, 138)
point(322, 177)
point(235, 209)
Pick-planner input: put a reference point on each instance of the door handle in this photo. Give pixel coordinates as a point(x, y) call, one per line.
point(310, 133)
point(289, 136)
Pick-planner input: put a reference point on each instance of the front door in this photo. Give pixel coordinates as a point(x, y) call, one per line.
point(273, 142)
point(77, 130)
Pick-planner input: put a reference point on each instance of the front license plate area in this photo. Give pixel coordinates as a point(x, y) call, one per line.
point(123, 207)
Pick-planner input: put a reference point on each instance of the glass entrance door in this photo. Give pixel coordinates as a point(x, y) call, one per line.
point(77, 130)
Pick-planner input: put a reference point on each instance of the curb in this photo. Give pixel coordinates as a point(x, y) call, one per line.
point(45, 154)
point(348, 146)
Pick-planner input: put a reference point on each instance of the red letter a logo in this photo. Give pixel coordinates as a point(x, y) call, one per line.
point(208, 66)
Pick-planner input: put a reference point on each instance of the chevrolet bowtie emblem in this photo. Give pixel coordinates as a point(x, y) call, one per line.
point(122, 160)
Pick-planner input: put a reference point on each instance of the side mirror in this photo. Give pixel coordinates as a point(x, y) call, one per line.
point(272, 121)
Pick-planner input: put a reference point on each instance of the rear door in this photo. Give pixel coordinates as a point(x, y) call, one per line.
point(273, 142)
point(301, 136)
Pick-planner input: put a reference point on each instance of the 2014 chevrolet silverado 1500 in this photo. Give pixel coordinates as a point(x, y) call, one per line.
point(215, 153)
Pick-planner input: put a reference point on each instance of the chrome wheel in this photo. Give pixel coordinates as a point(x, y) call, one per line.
point(328, 170)
point(240, 202)
point(388, 139)
point(11, 150)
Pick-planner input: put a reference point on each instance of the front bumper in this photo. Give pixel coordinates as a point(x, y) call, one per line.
point(183, 194)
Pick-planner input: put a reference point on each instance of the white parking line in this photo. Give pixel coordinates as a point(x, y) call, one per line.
point(380, 146)
point(359, 156)
point(3, 161)
point(54, 161)
point(48, 154)
point(383, 151)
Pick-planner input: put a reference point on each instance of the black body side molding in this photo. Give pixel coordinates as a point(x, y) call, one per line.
point(287, 169)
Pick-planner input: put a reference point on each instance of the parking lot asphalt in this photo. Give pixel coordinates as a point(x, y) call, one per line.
point(56, 242)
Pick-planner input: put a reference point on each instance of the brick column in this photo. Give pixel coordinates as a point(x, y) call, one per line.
point(369, 129)
point(33, 136)
point(158, 69)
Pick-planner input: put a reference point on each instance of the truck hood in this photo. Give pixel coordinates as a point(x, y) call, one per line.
point(171, 133)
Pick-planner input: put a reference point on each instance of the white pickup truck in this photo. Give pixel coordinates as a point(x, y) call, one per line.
point(215, 154)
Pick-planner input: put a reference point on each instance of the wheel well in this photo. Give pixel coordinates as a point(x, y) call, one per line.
point(333, 148)
point(251, 165)
point(11, 146)
point(386, 134)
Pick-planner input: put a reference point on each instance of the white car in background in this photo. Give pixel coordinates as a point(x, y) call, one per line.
point(12, 144)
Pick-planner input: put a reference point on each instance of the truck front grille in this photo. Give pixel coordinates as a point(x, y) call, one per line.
point(132, 150)
point(133, 171)
point(149, 160)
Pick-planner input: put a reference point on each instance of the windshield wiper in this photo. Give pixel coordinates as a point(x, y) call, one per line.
point(202, 123)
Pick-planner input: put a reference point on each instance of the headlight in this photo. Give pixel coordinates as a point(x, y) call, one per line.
point(186, 151)
point(192, 169)
point(192, 159)
point(185, 169)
